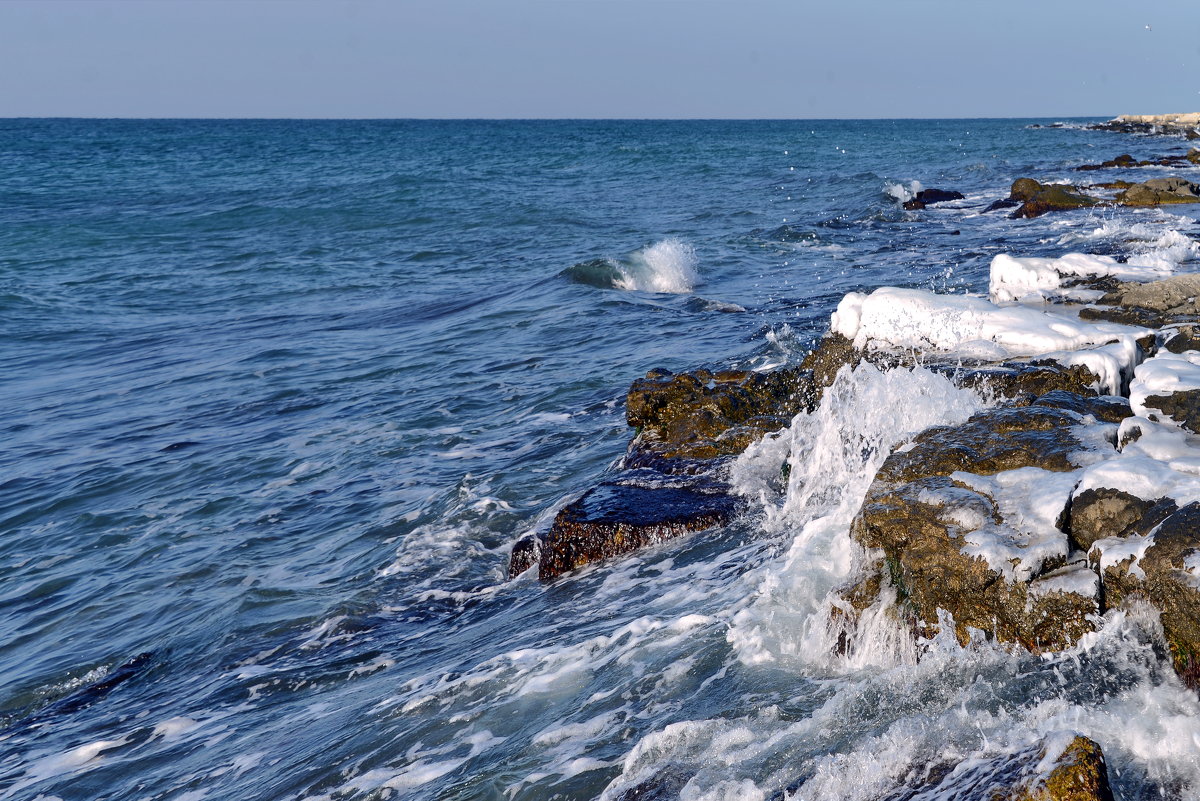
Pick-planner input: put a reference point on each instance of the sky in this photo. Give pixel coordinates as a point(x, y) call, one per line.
point(598, 58)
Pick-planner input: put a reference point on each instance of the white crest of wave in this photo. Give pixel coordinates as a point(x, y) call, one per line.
point(832, 455)
point(667, 266)
point(902, 192)
point(1150, 244)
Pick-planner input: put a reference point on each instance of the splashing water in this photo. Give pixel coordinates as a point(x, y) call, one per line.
point(832, 456)
point(666, 266)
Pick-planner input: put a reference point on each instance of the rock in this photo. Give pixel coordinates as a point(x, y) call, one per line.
point(1025, 381)
point(1158, 191)
point(1154, 304)
point(1183, 407)
point(705, 415)
point(1037, 199)
point(1123, 160)
point(927, 196)
point(1096, 514)
point(1105, 408)
point(1172, 587)
point(525, 553)
point(1050, 770)
point(1004, 203)
point(921, 513)
point(1001, 438)
point(664, 786)
point(613, 519)
point(1181, 338)
point(1193, 154)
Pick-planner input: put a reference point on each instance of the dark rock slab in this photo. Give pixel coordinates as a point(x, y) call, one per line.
point(1002, 438)
point(1183, 407)
point(1105, 408)
point(1172, 589)
point(1183, 337)
point(929, 196)
point(613, 519)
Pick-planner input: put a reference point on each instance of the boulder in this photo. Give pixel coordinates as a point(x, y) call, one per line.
point(1181, 338)
point(928, 196)
point(1158, 191)
point(1054, 769)
point(1036, 199)
point(705, 415)
point(614, 518)
point(1102, 512)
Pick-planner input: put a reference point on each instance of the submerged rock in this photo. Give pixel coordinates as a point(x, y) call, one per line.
point(614, 519)
point(928, 196)
point(1044, 771)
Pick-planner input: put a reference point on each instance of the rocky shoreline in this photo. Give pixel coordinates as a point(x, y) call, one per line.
point(1073, 491)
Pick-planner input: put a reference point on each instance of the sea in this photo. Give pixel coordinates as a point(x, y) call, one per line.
point(279, 397)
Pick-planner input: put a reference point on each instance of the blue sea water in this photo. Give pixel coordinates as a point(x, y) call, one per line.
point(280, 395)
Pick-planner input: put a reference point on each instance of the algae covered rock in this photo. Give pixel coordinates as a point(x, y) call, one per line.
point(705, 415)
point(1036, 198)
point(969, 519)
point(1159, 191)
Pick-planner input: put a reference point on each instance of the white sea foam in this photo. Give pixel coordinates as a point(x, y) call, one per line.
point(666, 266)
point(902, 192)
point(833, 455)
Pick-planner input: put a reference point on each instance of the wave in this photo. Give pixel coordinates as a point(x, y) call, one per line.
point(667, 266)
point(902, 192)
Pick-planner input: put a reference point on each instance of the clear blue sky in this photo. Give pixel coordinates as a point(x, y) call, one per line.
point(598, 58)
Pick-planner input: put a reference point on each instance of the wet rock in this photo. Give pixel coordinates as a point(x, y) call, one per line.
point(1127, 315)
point(705, 415)
point(1003, 438)
point(613, 519)
point(525, 553)
point(1026, 381)
point(1171, 566)
point(666, 785)
point(1174, 295)
point(1036, 199)
point(1105, 408)
point(1051, 770)
point(924, 514)
point(1123, 160)
point(1158, 191)
point(1003, 203)
point(928, 196)
point(1106, 512)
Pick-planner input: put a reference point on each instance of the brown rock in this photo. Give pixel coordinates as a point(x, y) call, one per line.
point(1037, 198)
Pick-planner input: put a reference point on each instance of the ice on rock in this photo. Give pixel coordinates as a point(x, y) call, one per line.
point(1040, 279)
point(975, 328)
point(1030, 501)
point(1165, 374)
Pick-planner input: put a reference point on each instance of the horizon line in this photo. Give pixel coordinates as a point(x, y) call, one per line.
point(10, 118)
